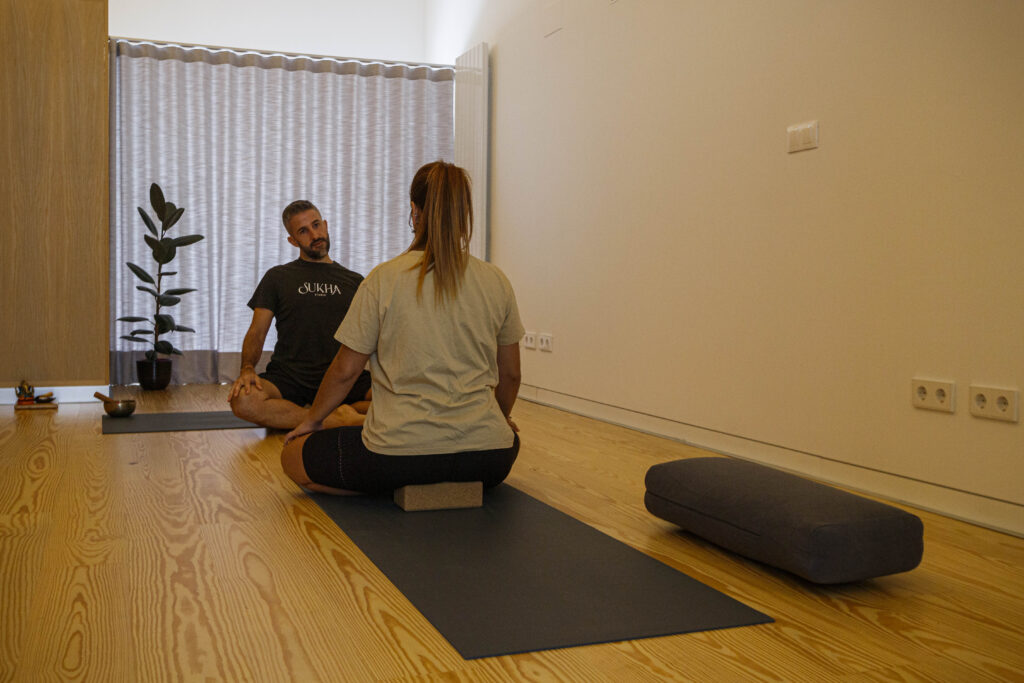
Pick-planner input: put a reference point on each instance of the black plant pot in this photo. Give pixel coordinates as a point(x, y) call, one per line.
point(154, 374)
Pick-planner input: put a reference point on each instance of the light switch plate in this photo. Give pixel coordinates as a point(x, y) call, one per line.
point(802, 136)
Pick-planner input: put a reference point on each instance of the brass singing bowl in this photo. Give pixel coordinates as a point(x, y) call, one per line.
point(116, 408)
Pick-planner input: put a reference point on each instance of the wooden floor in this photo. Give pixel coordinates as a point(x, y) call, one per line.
point(189, 556)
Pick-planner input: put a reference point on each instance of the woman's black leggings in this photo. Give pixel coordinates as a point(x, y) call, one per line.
point(339, 459)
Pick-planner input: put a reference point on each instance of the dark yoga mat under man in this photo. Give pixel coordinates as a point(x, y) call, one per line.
point(173, 422)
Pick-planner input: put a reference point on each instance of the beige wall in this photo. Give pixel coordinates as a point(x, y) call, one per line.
point(647, 212)
point(53, 193)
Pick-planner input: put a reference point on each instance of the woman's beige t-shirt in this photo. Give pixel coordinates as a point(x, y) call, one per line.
point(434, 366)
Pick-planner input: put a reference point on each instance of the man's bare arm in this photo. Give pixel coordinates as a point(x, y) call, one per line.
point(252, 349)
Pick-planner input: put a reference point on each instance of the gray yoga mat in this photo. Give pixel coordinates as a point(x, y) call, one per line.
point(518, 575)
point(173, 422)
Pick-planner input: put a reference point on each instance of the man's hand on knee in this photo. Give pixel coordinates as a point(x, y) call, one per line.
point(248, 405)
point(248, 396)
point(247, 379)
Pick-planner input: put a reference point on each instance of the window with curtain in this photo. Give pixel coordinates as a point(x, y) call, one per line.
point(233, 137)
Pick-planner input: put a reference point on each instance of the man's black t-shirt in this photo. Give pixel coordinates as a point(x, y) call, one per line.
point(309, 301)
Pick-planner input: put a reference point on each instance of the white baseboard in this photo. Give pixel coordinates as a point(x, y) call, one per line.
point(1000, 515)
point(61, 394)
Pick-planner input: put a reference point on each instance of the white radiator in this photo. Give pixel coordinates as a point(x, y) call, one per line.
point(472, 128)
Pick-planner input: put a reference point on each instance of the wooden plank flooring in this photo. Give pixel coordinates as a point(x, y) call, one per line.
point(190, 556)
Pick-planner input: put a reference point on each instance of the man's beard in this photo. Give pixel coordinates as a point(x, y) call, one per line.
point(317, 252)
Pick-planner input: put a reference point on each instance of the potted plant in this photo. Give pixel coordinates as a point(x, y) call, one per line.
point(155, 372)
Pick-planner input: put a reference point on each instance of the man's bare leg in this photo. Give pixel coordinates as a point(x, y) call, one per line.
point(363, 406)
point(267, 408)
point(360, 406)
point(345, 416)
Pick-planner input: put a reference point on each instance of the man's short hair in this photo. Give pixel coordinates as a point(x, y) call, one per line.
point(296, 207)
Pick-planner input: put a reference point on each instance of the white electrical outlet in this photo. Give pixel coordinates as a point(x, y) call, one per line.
point(929, 394)
point(995, 403)
point(546, 342)
point(530, 340)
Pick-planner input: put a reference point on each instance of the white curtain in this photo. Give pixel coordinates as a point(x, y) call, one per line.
point(233, 137)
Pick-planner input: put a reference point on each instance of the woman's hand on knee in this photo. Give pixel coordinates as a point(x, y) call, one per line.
point(307, 427)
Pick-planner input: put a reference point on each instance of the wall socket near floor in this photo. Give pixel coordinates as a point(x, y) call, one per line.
point(546, 342)
point(929, 394)
point(530, 340)
point(995, 403)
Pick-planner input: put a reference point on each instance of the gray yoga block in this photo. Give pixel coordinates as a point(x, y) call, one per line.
point(443, 496)
point(812, 530)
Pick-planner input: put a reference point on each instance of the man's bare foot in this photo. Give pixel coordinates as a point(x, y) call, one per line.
point(344, 416)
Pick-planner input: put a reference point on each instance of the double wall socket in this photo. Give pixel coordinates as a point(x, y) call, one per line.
point(995, 403)
point(543, 341)
point(930, 394)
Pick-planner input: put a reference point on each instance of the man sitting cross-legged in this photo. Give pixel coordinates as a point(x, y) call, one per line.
point(309, 297)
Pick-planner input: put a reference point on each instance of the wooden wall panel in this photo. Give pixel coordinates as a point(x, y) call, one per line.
point(54, 192)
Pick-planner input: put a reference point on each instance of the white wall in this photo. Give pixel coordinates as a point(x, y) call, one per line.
point(391, 30)
point(702, 282)
point(454, 26)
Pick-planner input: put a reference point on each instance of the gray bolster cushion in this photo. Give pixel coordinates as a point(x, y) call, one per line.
point(815, 531)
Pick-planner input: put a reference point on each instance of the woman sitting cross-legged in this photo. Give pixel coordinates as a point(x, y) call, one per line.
point(441, 332)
